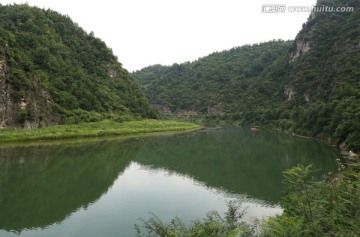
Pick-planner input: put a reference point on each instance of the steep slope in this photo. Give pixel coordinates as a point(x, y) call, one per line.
point(324, 82)
point(52, 71)
point(309, 86)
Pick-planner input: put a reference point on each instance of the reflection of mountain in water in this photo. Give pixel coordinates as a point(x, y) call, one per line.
point(45, 184)
point(236, 159)
point(42, 185)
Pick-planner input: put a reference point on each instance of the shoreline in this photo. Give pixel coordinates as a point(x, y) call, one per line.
point(345, 153)
point(94, 131)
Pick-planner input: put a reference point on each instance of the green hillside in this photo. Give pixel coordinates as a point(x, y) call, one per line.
point(309, 86)
point(219, 83)
point(325, 80)
point(52, 71)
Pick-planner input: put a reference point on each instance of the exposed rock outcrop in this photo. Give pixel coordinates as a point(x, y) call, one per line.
point(289, 92)
point(302, 47)
point(216, 110)
point(165, 110)
point(34, 109)
point(5, 101)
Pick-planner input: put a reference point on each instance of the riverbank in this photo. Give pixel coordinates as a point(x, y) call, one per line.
point(95, 129)
point(299, 132)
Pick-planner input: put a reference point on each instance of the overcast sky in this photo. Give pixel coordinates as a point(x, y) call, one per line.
point(147, 32)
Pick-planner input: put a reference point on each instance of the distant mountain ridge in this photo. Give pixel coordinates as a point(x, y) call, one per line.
point(52, 71)
point(214, 84)
point(309, 86)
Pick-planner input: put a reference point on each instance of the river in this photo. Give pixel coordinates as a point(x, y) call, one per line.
point(103, 187)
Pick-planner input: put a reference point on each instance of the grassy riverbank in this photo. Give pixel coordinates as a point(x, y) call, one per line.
point(95, 129)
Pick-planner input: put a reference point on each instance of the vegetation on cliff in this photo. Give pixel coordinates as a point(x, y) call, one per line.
point(52, 71)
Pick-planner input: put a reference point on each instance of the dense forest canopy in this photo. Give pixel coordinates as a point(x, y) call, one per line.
point(308, 86)
point(220, 79)
point(52, 71)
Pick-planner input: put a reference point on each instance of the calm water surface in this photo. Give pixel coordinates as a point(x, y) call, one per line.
point(102, 188)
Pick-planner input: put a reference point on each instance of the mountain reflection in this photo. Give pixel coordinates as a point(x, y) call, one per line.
point(42, 185)
point(236, 159)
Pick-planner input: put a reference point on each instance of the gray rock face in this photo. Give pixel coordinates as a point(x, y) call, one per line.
point(34, 109)
point(302, 47)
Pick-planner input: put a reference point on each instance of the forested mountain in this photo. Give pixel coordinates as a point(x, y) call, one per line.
point(309, 86)
point(215, 84)
point(52, 71)
point(324, 82)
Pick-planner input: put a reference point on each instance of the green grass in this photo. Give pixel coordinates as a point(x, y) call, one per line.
point(95, 129)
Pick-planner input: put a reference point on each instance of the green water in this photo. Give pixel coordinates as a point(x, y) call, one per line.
point(101, 188)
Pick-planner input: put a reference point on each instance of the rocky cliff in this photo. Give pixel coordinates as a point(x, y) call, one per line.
point(33, 109)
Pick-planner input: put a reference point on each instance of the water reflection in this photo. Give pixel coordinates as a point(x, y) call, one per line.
point(42, 185)
point(190, 195)
point(102, 188)
point(237, 159)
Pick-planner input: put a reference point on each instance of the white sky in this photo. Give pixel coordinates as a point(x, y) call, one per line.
point(147, 32)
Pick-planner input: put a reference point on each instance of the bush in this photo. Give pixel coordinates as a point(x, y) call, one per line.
point(284, 226)
point(213, 225)
point(329, 207)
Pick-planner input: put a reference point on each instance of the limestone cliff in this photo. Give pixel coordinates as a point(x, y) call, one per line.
point(33, 109)
point(302, 47)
